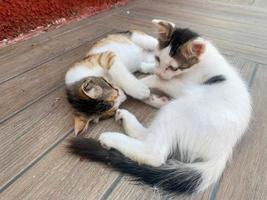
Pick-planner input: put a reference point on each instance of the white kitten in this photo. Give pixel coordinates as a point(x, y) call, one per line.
point(187, 145)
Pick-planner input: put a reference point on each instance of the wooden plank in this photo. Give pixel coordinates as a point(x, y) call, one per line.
point(224, 1)
point(260, 3)
point(143, 22)
point(62, 177)
point(19, 92)
point(25, 136)
point(58, 175)
point(246, 176)
point(238, 2)
point(244, 67)
point(128, 190)
point(43, 52)
point(181, 13)
point(242, 2)
point(238, 13)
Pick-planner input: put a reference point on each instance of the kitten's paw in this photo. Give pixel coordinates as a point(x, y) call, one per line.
point(140, 91)
point(121, 115)
point(157, 101)
point(148, 68)
point(106, 140)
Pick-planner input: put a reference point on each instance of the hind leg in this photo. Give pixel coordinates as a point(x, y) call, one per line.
point(132, 148)
point(130, 124)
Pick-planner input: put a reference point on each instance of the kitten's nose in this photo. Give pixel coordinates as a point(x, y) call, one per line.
point(158, 73)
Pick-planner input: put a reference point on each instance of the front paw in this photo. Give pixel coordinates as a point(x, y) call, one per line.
point(158, 101)
point(105, 140)
point(140, 91)
point(121, 115)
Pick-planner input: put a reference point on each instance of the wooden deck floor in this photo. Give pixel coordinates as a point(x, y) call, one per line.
point(36, 119)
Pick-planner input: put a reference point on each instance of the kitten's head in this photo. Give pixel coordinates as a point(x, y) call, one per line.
point(179, 49)
point(93, 98)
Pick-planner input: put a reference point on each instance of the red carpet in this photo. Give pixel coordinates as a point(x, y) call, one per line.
point(21, 16)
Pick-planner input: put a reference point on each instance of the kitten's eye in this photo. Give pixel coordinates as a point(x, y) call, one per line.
point(157, 58)
point(170, 67)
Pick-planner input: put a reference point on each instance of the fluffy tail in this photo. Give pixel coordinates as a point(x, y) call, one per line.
point(176, 177)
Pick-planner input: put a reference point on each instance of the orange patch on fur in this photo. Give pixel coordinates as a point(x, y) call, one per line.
point(106, 59)
point(80, 124)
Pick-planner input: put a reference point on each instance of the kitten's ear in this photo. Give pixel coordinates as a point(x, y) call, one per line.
point(198, 48)
point(91, 90)
point(80, 124)
point(194, 48)
point(165, 29)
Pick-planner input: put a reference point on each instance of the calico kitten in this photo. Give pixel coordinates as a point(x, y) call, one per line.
point(187, 145)
point(95, 85)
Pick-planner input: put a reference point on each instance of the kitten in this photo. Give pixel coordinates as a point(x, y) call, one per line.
point(187, 145)
point(94, 85)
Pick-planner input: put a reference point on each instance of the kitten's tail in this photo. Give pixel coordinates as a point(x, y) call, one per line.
point(174, 177)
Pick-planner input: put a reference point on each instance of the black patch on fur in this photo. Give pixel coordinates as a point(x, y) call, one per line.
point(175, 179)
point(87, 106)
point(180, 37)
point(214, 80)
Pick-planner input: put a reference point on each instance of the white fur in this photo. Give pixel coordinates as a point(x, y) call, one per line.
point(80, 72)
point(145, 41)
point(204, 121)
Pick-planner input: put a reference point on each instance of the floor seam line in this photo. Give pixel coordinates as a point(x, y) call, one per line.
point(30, 103)
point(253, 75)
point(111, 187)
point(33, 162)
